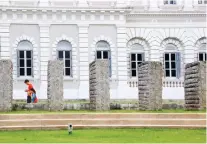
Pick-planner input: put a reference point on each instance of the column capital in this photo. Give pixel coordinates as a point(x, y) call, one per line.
point(44, 25)
point(83, 25)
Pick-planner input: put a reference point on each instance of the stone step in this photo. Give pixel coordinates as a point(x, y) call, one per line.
point(91, 122)
point(105, 116)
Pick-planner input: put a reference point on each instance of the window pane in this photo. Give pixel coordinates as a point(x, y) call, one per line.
point(205, 56)
point(67, 71)
point(67, 54)
point(98, 54)
point(29, 63)
point(167, 65)
point(167, 73)
point(133, 57)
point(29, 71)
point(173, 73)
point(173, 56)
point(21, 72)
point(200, 56)
point(139, 57)
point(173, 65)
point(67, 63)
point(105, 54)
point(29, 54)
point(60, 54)
point(21, 62)
point(167, 57)
point(21, 54)
point(134, 73)
point(133, 64)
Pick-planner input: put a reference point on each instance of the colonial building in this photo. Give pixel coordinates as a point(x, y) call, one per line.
point(126, 32)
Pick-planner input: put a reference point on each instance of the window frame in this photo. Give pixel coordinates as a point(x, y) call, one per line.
point(102, 49)
point(170, 69)
point(25, 46)
point(66, 47)
point(136, 62)
point(204, 56)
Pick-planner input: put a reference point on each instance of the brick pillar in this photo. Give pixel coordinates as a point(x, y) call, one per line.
point(55, 85)
point(195, 86)
point(150, 85)
point(6, 85)
point(99, 85)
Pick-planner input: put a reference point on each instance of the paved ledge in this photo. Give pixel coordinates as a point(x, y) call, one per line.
point(102, 120)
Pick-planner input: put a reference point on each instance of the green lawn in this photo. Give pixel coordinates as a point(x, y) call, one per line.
point(143, 135)
point(111, 111)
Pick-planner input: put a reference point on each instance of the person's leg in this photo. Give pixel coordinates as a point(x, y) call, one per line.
point(28, 99)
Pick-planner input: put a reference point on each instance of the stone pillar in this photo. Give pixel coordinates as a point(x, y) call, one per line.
point(99, 85)
point(150, 85)
point(195, 86)
point(6, 85)
point(55, 85)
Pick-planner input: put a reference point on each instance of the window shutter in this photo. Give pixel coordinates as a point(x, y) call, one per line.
point(110, 70)
point(32, 63)
point(17, 51)
point(71, 64)
point(143, 57)
point(178, 64)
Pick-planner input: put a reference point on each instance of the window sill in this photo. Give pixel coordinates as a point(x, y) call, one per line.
point(69, 78)
point(25, 77)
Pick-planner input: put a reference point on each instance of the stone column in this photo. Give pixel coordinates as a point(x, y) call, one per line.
point(150, 85)
point(195, 86)
point(55, 85)
point(99, 85)
point(6, 85)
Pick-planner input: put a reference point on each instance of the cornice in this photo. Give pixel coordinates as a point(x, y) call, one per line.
point(167, 14)
point(79, 9)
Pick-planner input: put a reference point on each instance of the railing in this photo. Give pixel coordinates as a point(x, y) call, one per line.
point(166, 83)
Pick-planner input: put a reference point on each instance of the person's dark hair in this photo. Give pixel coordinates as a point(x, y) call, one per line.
point(25, 81)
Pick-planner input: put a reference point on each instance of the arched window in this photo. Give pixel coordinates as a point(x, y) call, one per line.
point(136, 57)
point(172, 62)
point(202, 1)
point(24, 59)
point(169, 2)
point(202, 52)
point(64, 53)
point(103, 52)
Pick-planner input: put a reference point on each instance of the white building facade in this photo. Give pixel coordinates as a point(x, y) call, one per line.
point(126, 32)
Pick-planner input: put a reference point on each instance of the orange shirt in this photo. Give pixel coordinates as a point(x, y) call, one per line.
point(30, 86)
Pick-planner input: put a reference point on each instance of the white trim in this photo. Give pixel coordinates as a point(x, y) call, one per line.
point(35, 55)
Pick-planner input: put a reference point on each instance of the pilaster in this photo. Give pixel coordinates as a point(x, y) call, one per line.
point(83, 52)
point(4, 41)
point(44, 50)
point(121, 53)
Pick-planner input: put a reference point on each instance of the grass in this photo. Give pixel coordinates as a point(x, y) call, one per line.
point(143, 135)
point(87, 111)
